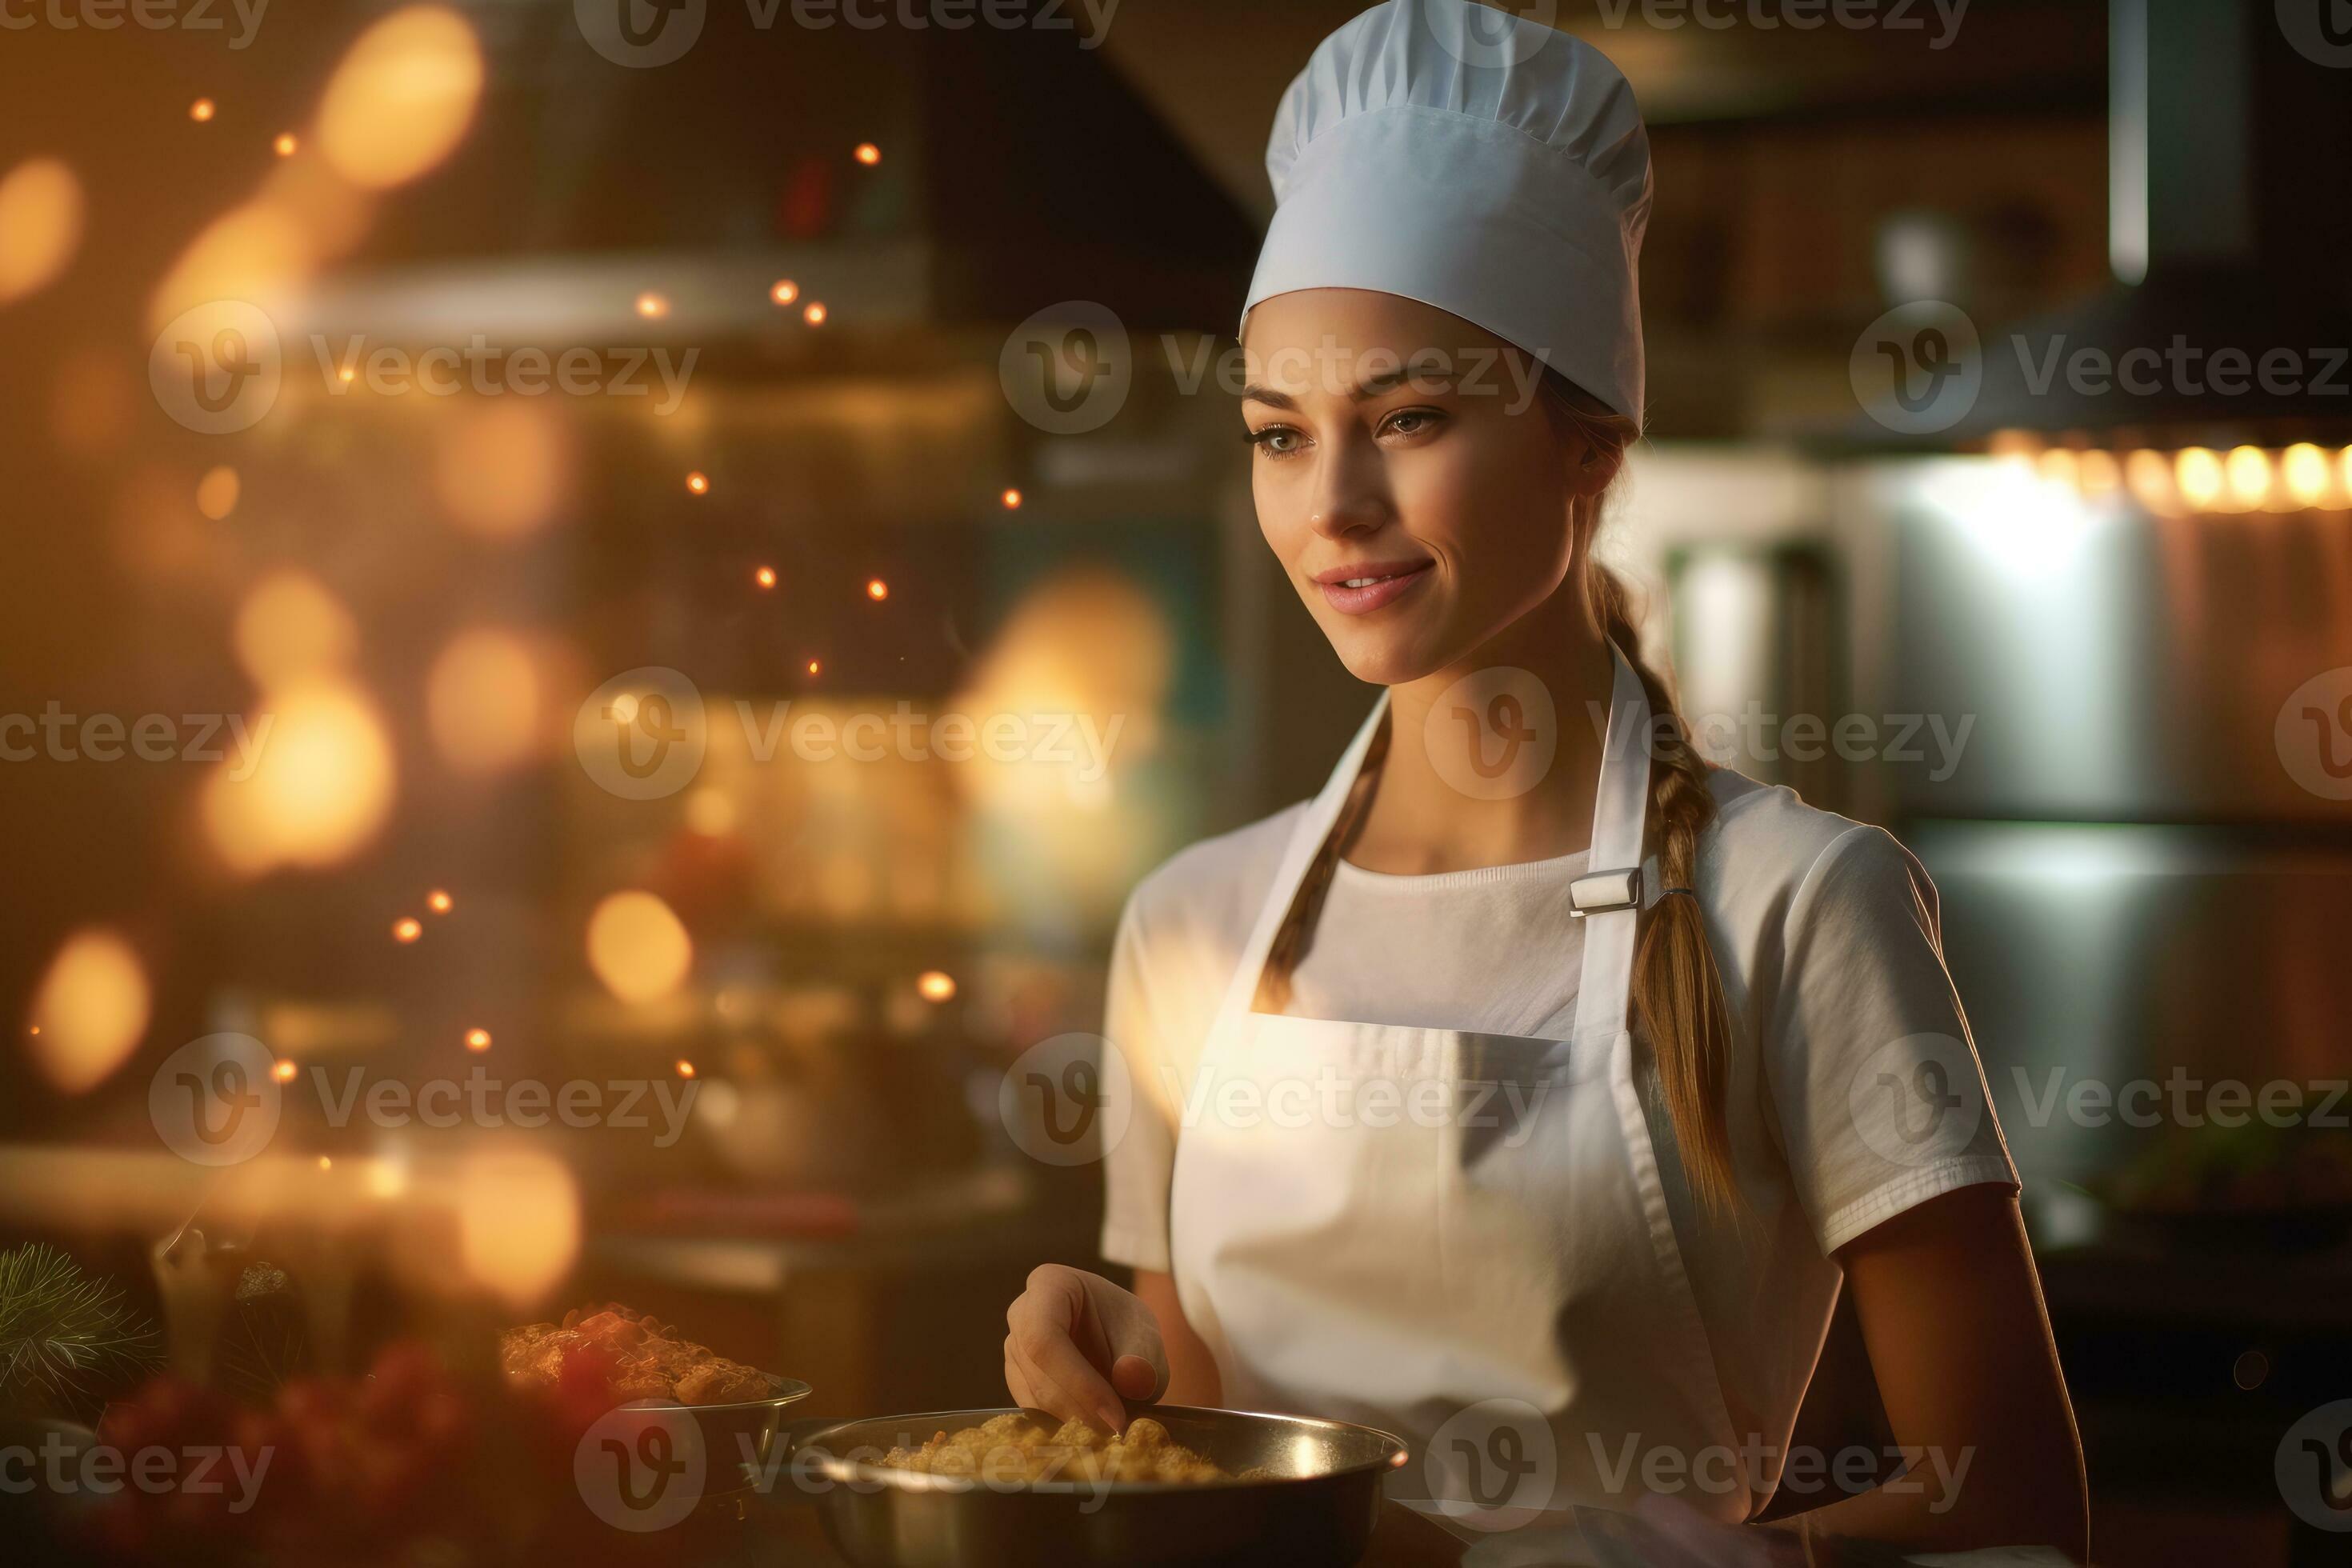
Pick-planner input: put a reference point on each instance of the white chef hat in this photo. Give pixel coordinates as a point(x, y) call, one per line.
point(1491, 166)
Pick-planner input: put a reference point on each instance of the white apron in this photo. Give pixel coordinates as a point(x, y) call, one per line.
point(1459, 1237)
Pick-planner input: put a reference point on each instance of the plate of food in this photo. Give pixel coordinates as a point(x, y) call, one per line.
point(971, 1488)
point(613, 1356)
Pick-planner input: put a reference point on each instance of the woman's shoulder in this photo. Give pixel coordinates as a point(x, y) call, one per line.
point(1769, 852)
point(1210, 892)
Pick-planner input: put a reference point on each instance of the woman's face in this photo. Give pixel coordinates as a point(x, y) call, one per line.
point(1408, 475)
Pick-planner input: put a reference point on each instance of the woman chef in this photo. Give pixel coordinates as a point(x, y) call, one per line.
point(1534, 1090)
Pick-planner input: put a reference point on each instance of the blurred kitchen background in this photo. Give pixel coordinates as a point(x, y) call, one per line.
point(2090, 646)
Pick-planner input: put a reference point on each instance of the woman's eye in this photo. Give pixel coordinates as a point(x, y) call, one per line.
point(1411, 422)
point(1276, 440)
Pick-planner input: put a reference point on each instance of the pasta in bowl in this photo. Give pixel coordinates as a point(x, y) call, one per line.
point(1017, 1448)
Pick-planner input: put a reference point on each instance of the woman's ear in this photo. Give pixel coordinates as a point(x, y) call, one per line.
point(1591, 466)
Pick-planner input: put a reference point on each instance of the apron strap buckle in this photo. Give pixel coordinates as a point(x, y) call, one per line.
point(1604, 891)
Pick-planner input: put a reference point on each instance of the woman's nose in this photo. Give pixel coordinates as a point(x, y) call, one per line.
point(1348, 496)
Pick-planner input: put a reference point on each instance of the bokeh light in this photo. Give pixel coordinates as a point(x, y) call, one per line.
point(217, 491)
point(40, 224)
point(91, 1011)
point(316, 787)
point(499, 469)
point(483, 702)
point(402, 99)
point(638, 947)
point(289, 628)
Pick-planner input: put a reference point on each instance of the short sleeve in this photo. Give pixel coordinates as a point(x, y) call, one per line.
point(1875, 1087)
point(1137, 1169)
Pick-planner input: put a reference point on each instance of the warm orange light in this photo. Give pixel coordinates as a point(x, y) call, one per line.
point(217, 491)
point(1012, 500)
point(283, 1069)
point(2099, 474)
point(698, 482)
point(407, 928)
point(201, 111)
point(310, 791)
point(484, 700)
point(518, 1222)
point(651, 306)
point(95, 1000)
point(2198, 473)
point(477, 1039)
point(811, 667)
point(813, 313)
point(326, 1163)
point(876, 589)
point(504, 468)
point(685, 1068)
point(2305, 469)
point(2249, 472)
point(935, 985)
point(438, 901)
point(40, 224)
point(784, 291)
point(286, 143)
point(868, 153)
point(638, 947)
point(403, 97)
point(289, 628)
point(765, 576)
point(347, 376)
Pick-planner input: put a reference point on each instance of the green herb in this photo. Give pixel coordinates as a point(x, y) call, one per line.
point(64, 1337)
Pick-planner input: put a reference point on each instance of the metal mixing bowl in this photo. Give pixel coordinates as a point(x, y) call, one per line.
point(1316, 1507)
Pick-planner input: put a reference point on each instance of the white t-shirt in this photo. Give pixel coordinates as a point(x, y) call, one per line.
point(1826, 935)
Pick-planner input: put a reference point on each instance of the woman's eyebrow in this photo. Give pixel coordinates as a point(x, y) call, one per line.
point(1370, 386)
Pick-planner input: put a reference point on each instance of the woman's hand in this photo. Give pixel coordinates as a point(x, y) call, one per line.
point(1079, 1345)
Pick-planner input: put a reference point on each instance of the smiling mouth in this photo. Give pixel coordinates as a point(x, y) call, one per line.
point(1360, 590)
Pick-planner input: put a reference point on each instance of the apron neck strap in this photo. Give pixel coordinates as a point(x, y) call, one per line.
point(1620, 810)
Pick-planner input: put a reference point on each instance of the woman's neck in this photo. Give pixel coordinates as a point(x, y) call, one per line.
point(1495, 759)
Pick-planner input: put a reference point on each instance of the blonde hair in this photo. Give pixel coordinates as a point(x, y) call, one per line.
point(1680, 1013)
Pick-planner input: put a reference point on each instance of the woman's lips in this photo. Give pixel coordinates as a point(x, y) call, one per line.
point(1360, 590)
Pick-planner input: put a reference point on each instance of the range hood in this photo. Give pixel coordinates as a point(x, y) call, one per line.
point(1016, 170)
point(2227, 231)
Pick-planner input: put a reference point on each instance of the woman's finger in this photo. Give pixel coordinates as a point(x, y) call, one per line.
point(1057, 1369)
